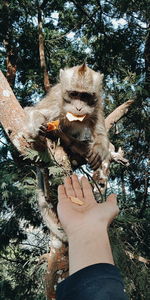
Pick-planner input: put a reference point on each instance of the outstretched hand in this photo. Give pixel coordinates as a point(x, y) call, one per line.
point(74, 217)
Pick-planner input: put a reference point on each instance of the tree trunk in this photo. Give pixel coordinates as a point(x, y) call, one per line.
point(147, 60)
point(42, 52)
point(11, 64)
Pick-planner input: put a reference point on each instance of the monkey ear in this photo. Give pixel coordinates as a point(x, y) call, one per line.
point(61, 73)
point(97, 81)
point(101, 77)
point(82, 69)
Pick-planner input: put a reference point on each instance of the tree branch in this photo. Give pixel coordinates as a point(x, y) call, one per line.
point(117, 114)
point(12, 116)
point(137, 257)
point(84, 11)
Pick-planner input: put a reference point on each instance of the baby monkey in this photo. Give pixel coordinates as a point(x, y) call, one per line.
point(76, 102)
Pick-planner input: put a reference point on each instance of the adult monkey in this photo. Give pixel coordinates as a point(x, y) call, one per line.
point(76, 102)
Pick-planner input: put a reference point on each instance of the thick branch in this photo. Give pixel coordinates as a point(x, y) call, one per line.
point(117, 114)
point(12, 116)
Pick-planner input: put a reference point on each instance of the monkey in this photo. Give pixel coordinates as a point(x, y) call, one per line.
point(76, 102)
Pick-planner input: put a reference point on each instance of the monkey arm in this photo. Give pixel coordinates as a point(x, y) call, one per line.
point(93, 152)
point(67, 141)
point(99, 148)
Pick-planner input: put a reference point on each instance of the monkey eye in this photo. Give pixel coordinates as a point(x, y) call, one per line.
point(91, 98)
point(73, 94)
point(85, 96)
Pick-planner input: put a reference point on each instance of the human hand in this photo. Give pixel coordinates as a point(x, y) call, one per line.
point(91, 214)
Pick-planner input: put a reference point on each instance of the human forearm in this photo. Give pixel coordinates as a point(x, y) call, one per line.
point(89, 246)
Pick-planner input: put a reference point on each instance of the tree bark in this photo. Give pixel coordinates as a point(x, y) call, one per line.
point(12, 116)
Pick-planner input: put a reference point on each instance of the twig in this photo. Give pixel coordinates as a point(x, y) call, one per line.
point(92, 179)
point(3, 143)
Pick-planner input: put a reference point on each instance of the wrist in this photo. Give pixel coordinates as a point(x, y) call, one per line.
point(84, 231)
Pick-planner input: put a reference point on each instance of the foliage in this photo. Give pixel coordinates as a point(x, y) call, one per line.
point(111, 36)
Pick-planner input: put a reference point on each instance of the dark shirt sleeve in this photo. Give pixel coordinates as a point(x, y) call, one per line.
point(95, 282)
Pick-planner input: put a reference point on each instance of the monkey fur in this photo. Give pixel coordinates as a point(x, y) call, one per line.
point(79, 94)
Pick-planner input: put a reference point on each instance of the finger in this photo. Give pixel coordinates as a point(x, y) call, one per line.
point(96, 163)
point(77, 187)
point(89, 154)
point(87, 190)
point(43, 127)
point(112, 198)
point(91, 157)
point(42, 132)
point(61, 193)
point(69, 187)
point(94, 158)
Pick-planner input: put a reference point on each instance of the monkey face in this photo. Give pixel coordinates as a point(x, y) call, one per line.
point(81, 89)
point(79, 103)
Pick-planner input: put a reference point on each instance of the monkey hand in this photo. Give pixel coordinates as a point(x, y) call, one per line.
point(46, 128)
point(43, 129)
point(34, 121)
point(97, 154)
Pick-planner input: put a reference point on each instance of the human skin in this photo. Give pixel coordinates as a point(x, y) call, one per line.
point(86, 225)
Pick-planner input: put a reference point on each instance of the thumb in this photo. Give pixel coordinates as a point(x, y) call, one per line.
point(112, 198)
point(112, 202)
